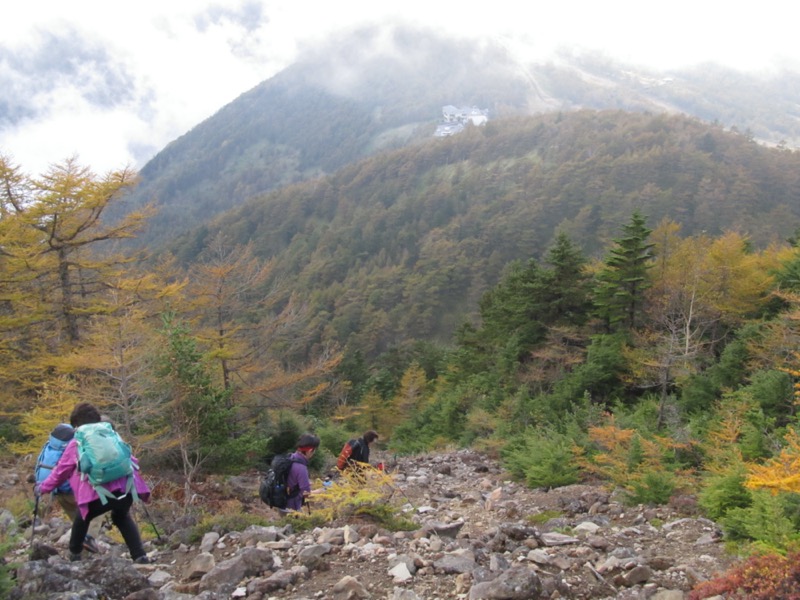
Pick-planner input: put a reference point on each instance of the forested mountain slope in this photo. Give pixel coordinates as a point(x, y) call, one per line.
point(379, 89)
point(335, 106)
point(402, 245)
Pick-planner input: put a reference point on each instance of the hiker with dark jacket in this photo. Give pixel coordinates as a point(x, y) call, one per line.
point(89, 503)
point(298, 482)
point(356, 451)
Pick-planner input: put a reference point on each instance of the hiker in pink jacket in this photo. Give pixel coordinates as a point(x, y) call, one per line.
point(89, 503)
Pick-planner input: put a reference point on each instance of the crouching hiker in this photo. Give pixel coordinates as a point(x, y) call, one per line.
point(48, 459)
point(356, 451)
point(298, 482)
point(99, 487)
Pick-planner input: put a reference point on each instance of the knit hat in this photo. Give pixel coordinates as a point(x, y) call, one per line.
point(63, 432)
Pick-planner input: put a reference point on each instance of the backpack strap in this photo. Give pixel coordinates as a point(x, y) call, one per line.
point(104, 494)
point(358, 450)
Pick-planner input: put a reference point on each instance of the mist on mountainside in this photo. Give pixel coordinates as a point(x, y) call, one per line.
point(379, 89)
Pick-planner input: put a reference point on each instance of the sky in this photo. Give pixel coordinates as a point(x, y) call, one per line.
point(113, 83)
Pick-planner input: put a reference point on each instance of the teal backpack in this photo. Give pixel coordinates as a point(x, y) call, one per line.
point(103, 457)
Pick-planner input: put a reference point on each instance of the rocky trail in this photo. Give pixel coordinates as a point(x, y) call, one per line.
point(479, 536)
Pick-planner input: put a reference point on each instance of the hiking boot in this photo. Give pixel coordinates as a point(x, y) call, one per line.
point(90, 545)
point(74, 557)
point(142, 560)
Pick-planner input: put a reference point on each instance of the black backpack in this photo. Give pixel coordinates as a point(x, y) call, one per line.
point(360, 450)
point(273, 489)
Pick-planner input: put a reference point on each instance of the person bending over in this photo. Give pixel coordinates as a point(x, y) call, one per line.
point(356, 451)
point(89, 503)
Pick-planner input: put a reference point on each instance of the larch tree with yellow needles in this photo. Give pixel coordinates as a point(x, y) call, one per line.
point(781, 473)
point(58, 258)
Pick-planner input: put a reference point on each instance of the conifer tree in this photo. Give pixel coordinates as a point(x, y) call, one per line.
point(409, 399)
point(782, 472)
point(67, 211)
point(511, 310)
point(373, 411)
point(565, 285)
point(531, 298)
point(115, 357)
point(195, 418)
point(225, 294)
point(53, 405)
point(619, 294)
point(57, 260)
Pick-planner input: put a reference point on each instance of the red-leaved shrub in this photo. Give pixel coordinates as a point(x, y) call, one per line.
point(760, 577)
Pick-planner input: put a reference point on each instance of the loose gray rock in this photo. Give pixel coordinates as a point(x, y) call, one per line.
point(201, 564)
point(517, 583)
point(226, 575)
point(462, 561)
point(350, 588)
point(617, 551)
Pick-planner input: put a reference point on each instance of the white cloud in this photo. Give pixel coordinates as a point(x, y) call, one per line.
point(166, 66)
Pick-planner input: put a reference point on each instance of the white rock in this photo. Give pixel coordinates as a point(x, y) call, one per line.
point(400, 573)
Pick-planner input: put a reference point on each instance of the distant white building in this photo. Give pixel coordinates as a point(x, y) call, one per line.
point(455, 118)
point(445, 129)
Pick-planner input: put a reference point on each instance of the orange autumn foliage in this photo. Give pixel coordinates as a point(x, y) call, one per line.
point(781, 473)
point(624, 456)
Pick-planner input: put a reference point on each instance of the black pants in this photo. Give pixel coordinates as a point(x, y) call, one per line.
point(121, 517)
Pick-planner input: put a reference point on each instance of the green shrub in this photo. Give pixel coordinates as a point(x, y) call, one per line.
point(774, 393)
point(441, 420)
point(543, 458)
point(283, 438)
point(387, 517)
point(654, 487)
point(543, 517)
point(791, 508)
point(285, 433)
point(642, 416)
point(724, 492)
point(333, 436)
point(7, 542)
point(239, 454)
point(765, 521)
point(754, 442)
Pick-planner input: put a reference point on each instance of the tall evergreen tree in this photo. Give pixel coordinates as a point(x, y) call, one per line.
point(513, 308)
point(565, 285)
point(531, 298)
point(195, 418)
point(619, 293)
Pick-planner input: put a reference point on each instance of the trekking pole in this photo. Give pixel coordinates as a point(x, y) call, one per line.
point(150, 519)
point(394, 488)
point(35, 516)
point(397, 489)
